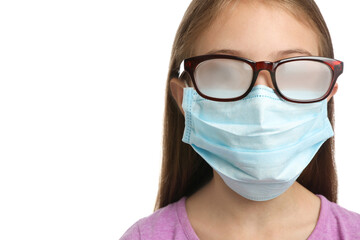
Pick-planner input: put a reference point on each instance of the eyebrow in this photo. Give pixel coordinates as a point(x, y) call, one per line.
point(276, 55)
point(292, 51)
point(226, 51)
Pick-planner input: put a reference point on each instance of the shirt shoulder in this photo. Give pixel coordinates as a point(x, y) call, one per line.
point(336, 222)
point(170, 222)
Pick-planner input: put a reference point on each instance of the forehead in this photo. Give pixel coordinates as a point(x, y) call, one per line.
point(259, 31)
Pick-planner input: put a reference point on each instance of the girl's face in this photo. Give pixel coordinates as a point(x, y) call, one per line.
point(257, 31)
point(260, 32)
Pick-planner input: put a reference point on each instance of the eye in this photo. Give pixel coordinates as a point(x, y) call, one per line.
point(220, 71)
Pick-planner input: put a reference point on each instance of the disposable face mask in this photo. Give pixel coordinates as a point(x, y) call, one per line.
point(258, 145)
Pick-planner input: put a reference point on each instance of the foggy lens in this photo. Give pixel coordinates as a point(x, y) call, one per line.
point(303, 80)
point(223, 78)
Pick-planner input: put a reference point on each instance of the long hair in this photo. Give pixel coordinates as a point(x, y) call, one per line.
point(183, 170)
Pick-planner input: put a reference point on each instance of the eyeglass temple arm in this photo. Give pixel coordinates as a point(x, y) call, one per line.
point(181, 72)
point(182, 67)
point(339, 68)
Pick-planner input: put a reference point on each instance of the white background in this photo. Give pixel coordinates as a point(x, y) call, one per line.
point(81, 106)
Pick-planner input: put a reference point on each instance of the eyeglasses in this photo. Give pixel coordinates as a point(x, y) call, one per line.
point(227, 78)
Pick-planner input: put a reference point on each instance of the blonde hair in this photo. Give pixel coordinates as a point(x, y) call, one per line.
point(183, 170)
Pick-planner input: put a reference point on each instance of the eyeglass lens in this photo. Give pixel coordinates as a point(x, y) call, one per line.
point(301, 80)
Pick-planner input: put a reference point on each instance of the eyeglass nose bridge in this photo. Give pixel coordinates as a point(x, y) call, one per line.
point(264, 65)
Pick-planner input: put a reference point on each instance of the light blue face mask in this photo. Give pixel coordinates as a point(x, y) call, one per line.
point(259, 145)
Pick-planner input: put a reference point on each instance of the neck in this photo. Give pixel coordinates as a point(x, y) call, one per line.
point(258, 212)
point(218, 202)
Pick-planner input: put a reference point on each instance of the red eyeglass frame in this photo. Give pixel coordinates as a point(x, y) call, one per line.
point(189, 66)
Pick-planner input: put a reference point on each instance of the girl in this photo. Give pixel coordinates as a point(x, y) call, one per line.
point(248, 137)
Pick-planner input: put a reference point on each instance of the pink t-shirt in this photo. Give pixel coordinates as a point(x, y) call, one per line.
point(171, 222)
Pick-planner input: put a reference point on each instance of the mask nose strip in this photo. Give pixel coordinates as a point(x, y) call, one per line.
point(262, 91)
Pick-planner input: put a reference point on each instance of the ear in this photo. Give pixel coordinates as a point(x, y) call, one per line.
point(177, 89)
point(335, 89)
